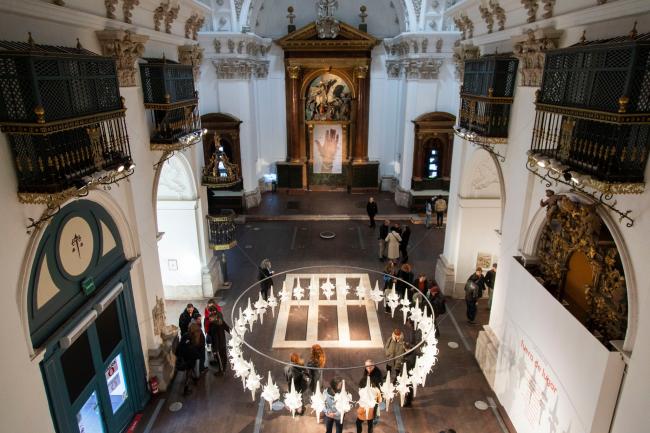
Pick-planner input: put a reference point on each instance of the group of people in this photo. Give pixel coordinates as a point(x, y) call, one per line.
point(194, 336)
point(476, 284)
point(439, 205)
point(393, 241)
point(305, 376)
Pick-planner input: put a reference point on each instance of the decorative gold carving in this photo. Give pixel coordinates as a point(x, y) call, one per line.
point(191, 55)
point(531, 8)
point(189, 25)
point(110, 8)
point(499, 13)
point(220, 172)
point(306, 39)
point(615, 188)
point(575, 227)
point(197, 26)
point(468, 25)
point(486, 14)
point(548, 8)
point(361, 72)
point(462, 53)
point(622, 104)
point(126, 47)
point(531, 52)
point(127, 7)
point(170, 16)
point(43, 128)
point(159, 317)
point(158, 14)
point(601, 116)
point(294, 71)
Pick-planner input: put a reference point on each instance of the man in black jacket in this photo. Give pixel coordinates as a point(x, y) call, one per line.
point(473, 291)
point(372, 210)
point(383, 232)
point(190, 313)
point(404, 244)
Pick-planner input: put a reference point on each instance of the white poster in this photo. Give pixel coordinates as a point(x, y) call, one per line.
point(328, 148)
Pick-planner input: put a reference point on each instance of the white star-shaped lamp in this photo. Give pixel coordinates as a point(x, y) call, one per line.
point(361, 292)
point(272, 301)
point(367, 397)
point(328, 288)
point(270, 392)
point(318, 402)
point(260, 307)
point(387, 390)
point(402, 385)
point(377, 295)
point(293, 400)
point(343, 401)
point(406, 305)
point(298, 292)
point(253, 381)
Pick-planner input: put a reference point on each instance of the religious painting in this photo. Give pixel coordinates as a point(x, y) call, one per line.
point(483, 260)
point(328, 98)
point(327, 149)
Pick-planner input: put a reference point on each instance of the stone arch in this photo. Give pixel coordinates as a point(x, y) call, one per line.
point(531, 243)
point(125, 232)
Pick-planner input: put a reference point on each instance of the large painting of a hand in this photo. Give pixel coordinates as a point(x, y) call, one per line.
point(327, 140)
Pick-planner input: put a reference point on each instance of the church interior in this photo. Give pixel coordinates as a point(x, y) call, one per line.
point(245, 216)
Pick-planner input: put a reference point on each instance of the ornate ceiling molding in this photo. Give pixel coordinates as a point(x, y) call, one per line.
point(240, 69)
point(414, 69)
point(531, 50)
point(411, 57)
point(126, 47)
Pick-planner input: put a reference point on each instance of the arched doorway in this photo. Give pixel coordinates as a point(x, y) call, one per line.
point(180, 251)
point(81, 313)
point(433, 151)
point(581, 266)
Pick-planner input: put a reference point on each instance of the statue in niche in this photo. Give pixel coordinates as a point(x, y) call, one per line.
point(550, 202)
point(159, 317)
point(328, 98)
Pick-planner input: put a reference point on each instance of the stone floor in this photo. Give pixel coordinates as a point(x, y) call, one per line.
point(219, 404)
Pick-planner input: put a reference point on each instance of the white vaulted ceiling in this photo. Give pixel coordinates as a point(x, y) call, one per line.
point(268, 18)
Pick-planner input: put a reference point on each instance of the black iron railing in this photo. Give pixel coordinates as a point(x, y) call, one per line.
point(487, 119)
point(178, 127)
point(593, 110)
point(166, 82)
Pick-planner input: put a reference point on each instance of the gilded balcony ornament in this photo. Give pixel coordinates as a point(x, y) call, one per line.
point(127, 7)
point(110, 8)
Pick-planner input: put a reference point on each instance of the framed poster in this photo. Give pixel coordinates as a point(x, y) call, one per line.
point(327, 148)
point(484, 260)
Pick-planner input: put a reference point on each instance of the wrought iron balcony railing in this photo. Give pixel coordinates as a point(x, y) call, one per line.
point(65, 120)
point(168, 89)
point(221, 230)
point(593, 113)
point(485, 98)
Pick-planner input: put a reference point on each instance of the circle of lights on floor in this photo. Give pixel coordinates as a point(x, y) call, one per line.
point(407, 381)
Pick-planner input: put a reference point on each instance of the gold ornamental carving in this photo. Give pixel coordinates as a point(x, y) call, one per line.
point(361, 72)
point(294, 71)
point(575, 227)
point(127, 7)
point(531, 50)
point(110, 8)
point(126, 47)
point(170, 16)
point(191, 55)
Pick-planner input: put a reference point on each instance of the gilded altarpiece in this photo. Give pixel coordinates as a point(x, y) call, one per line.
point(574, 228)
point(327, 99)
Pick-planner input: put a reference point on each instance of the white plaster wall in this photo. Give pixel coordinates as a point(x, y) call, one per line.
point(27, 409)
point(552, 375)
point(180, 242)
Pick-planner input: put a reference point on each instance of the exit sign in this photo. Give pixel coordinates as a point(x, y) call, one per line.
point(88, 285)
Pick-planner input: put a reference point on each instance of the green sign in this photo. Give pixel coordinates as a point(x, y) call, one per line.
point(88, 286)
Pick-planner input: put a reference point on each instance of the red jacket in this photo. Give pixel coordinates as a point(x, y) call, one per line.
point(206, 318)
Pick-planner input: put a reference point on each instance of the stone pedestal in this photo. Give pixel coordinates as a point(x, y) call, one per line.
point(388, 183)
point(487, 349)
point(445, 276)
point(162, 360)
point(402, 197)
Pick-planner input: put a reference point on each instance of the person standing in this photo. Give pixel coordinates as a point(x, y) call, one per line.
point(265, 278)
point(490, 277)
point(371, 208)
point(394, 349)
point(393, 242)
point(315, 363)
point(428, 213)
point(404, 279)
point(187, 316)
point(383, 232)
point(438, 303)
point(376, 376)
point(218, 328)
point(473, 291)
point(404, 243)
point(296, 372)
point(332, 415)
point(368, 416)
point(440, 206)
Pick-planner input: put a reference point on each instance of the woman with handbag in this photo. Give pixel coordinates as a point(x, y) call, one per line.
point(297, 373)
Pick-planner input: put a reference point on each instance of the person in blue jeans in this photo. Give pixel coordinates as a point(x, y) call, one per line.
point(332, 416)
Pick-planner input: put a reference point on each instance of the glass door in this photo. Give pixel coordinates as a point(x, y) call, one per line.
point(89, 415)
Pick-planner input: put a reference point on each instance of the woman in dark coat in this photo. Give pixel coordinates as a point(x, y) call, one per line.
point(191, 348)
point(297, 372)
point(404, 243)
point(406, 274)
point(371, 208)
point(315, 363)
point(264, 276)
point(218, 328)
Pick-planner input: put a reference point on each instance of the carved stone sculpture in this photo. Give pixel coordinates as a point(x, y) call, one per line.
point(191, 55)
point(110, 8)
point(486, 14)
point(126, 47)
point(548, 8)
point(439, 43)
point(217, 46)
point(127, 7)
point(499, 13)
point(189, 25)
point(462, 53)
point(468, 25)
point(159, 317)
point(531, 8)
point(158, 14)
point(240, 69)
point(170, 16)
point(531, 51)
